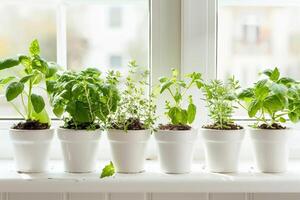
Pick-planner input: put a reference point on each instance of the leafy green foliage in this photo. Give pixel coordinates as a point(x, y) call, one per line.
point(178, 90)
point(136, 110)
point(86, 97)
point(221, 99)
point(108, 170)
point(37, 72)
point(275, 98)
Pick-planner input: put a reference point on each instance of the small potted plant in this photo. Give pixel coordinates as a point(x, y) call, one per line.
point(176, 139)
point(31, 138)
point(84, 100)
point(270, 102)
point(222, 138)
point(129, 128)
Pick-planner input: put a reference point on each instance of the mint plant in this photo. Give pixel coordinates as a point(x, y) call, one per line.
point(135, 110)
point(180, 117)
point(85, 98)
point(221, 99)
point(272, 100)
point(37, 72)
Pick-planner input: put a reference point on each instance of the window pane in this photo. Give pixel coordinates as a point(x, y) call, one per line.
point(259, 34)
point(107, 34)
point(20, 24)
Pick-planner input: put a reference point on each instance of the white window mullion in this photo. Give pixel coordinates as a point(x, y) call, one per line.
point(61, 35)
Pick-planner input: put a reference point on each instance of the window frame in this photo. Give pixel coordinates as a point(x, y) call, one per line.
point(164, 54)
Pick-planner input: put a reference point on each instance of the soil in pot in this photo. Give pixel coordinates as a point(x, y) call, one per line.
point(227, 126)
point(132, 124)
point(69, 124)
point(272, 126)
point(31, 125)
point(174, 127)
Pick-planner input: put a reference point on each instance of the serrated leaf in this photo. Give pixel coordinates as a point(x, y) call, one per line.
point(13, 90)
point(108, 170)
point(37, 103)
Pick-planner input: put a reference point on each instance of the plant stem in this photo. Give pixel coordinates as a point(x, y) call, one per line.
point(16, 108)
point(29, 105)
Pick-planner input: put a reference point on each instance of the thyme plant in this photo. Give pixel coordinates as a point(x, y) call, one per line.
point(221, 99)
point(136, 109)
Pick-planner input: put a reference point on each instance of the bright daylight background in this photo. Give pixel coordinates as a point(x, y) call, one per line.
point(100, 34)
point(255, 35)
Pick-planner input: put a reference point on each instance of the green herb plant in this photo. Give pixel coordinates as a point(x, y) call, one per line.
point(135, 110)
point(272, 100)
point(36, 72)
point(221, 99)
point(178, 89)
point(85, 98)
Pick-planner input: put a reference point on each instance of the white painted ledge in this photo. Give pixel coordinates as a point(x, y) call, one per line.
point(151, 181)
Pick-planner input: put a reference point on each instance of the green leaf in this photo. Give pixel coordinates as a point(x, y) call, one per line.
point(26, 78)
point(165, 86)
point(275, 74)
point(293, 117)
point(163, 79)
point(286, 80)
point(58, 110)
point(279, 89)
point(273, 104)
point(108, 170)
point(8, 63)
point(52, 69)
point(37, 103)
point(6, 80)
point(191, 112)
point(246, 93)
point(40, 65)
point(281, 119)
point(42, 117)
point(272, 74)
point(13, 90)
point(253, 108)
point(34, 48)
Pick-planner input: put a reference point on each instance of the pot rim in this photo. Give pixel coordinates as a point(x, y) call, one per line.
point(177, 131)
point(222, 130)
point(24, 130)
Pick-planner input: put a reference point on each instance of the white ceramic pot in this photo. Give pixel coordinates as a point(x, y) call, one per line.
point(80, 149)
point(176, 150)
point(128, 149)
point(222, 149)
point(271, 150)
point(31, 149)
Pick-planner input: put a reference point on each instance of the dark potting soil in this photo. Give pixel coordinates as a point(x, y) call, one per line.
point(272, 126)
point(31, 125)
point(69, 124)
point(174, 127)
point(133, 124)
point(226, 127)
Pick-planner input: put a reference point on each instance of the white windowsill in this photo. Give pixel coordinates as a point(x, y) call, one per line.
point(151, 181)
